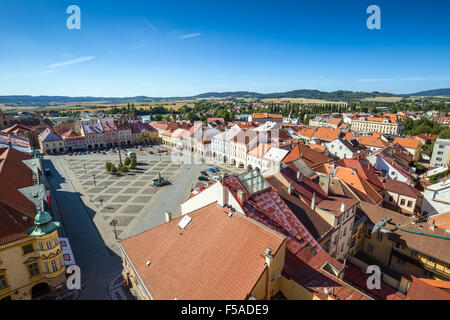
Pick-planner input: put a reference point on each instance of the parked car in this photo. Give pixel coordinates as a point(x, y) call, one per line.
point(70, 154)
point(203, 178)
point(204, 173)
point(202, 188)
point(212, 170)
point(47, 172)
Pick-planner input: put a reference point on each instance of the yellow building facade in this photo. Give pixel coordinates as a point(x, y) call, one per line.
point(398, 257)
point(32, 266)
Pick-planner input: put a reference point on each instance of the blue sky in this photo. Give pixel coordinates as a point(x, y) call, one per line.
point(179, 48)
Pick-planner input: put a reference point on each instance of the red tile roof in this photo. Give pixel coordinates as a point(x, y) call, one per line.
point(441, 220)
point(304, 256)
point(359, 278)
point(401, 188)
point(214, 257)
point(372, 141)
point(335, 121)
point(306, 132)
point(421, 290)
point(410, 143)
point(327, 134)
point(364, 169)
point(13, 204)
point(312, 158)
point(352, 178)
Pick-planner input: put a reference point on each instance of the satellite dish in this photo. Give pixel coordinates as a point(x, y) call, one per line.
point(380, 226)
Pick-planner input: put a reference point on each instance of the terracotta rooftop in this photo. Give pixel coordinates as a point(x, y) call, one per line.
point(138, 127)
point(400, 188)
point(108, 124)
point(421, 290)
point(312, 221)
point(352, 178)
point(48, 135)
point(359, 278)
point(327, 134)
point(312, 158)
point(16, 128)
point(349, 135)
point(335, 121)
point(304, 256)
point(13, 204)
point(214, 257)
point(364, 169)
point(431, 246)
point(372, 141)
point(306, 132)
point(317, 147)
point(441, 220)
point(410, 143)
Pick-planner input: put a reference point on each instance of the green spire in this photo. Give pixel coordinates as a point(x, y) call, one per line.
point(43, 223)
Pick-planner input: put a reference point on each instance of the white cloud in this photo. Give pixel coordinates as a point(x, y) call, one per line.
point(149, 24)
point(191, 35)
point(70, 62)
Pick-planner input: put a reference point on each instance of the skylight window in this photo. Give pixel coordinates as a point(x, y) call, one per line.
point(184, 222)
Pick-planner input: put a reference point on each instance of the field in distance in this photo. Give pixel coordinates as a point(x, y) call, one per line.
point(304, 100)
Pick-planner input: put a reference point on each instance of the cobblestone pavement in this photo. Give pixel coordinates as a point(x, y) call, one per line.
point(117, 291)
point(124, 197)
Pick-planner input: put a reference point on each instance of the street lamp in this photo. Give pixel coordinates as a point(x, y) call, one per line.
point(93, 175)
point(113, 223)
point(120, 158)
point(84, 166)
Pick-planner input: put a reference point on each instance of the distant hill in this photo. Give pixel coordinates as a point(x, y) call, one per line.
point(340, 95)
point(431, 93)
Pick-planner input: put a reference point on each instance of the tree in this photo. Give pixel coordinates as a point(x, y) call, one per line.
point(108, 166)
point(127, 161)
point(133, 164)
point(113, 168)
point(124, 168)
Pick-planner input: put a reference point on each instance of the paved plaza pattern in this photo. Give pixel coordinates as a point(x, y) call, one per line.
point(121, 197)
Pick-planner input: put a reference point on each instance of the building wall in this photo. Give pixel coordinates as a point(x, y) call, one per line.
point(401, 258)
point(430, 206)
point(374, 126)
point(269, 284)
point(14, 266)
point(51, 146)
point(339, 150)
point(400, 200)
point(441, 154)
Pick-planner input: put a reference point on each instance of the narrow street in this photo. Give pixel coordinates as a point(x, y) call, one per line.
point(99, 265)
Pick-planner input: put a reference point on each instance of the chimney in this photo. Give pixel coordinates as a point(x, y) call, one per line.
point(168, 216)
point(291, 189)
point(343, 207)
point(241, 196)
point(299, 175)
point(313, 201)
point(432, 227)
point(269, 256)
